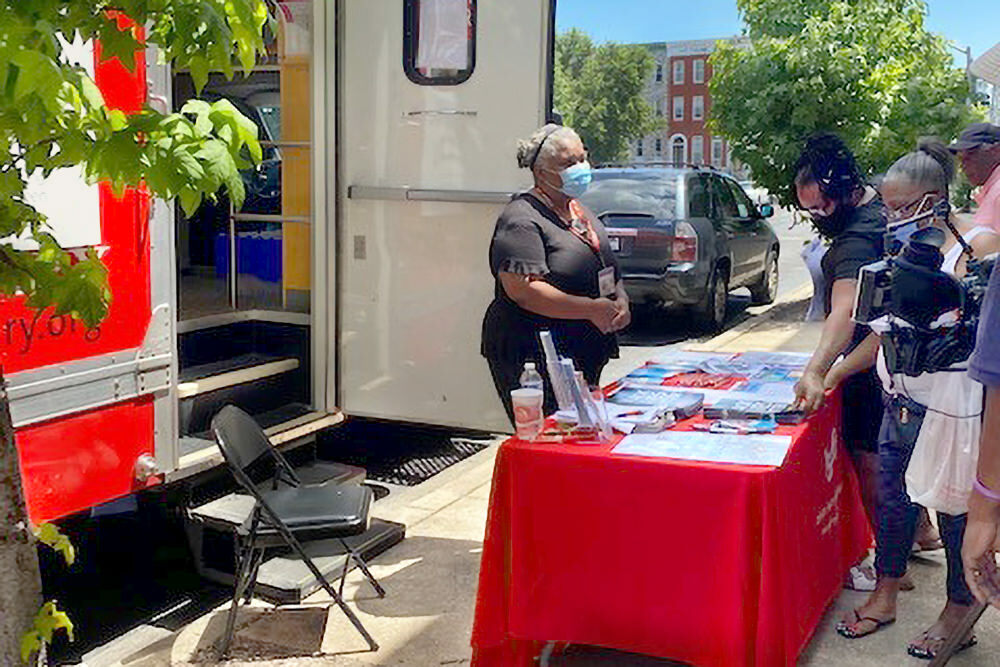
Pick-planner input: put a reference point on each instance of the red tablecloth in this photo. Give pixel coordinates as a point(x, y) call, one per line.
point(703, 563)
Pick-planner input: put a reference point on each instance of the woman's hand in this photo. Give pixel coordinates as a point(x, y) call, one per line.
point(603, 313)
point(810, 392)
point(978, 550)
point(624, 314)
point(833, 378)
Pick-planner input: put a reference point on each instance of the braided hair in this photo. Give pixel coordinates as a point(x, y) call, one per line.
point(827, 161)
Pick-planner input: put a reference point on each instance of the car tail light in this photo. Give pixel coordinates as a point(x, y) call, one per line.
point(685, 246)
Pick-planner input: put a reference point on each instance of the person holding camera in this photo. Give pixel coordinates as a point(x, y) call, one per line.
point(850, 215)
point(934, 415)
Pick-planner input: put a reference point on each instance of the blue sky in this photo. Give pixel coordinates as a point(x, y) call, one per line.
point(967, 22)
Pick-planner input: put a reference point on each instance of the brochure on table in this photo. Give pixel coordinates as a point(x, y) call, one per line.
point(759, 450)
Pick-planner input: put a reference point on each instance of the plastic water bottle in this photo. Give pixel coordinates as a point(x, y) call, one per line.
point(530, 377)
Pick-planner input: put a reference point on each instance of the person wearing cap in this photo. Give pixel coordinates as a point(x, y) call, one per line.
point(978, 149)
point(554, 271)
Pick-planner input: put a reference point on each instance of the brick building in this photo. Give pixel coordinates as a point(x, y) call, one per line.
point(678, 93)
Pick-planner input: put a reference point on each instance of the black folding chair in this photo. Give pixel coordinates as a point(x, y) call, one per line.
point(288, 514)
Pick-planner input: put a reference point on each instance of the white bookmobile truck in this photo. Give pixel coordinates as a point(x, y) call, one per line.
point(351, 282)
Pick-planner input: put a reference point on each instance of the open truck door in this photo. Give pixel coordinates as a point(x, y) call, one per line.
point(433, 96)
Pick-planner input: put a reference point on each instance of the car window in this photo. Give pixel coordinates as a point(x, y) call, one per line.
point(743, 203)
point(648, 192)
point(724, 197)
point(699, 200)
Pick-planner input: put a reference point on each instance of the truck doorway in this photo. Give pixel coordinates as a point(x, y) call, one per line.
point(244, 275)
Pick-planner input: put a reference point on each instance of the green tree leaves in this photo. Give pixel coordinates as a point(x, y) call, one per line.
point(866, 69)
point(599, 90)
point(52, 115)
point(48, 621)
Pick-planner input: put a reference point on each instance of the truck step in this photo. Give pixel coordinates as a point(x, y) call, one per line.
point(206, 378)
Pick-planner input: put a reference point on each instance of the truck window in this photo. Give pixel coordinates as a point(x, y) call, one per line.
point(439, 41)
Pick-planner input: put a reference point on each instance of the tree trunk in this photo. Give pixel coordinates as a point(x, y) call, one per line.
point(20, 582)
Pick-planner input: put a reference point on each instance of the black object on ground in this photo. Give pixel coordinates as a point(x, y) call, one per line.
point(395, 453)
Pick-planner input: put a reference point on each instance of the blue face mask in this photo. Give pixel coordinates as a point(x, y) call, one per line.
point(576, 179)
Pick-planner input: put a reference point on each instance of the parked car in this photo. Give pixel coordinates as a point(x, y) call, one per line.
point(685, 237)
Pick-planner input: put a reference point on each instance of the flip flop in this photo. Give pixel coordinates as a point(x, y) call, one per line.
point(927, 654)
point(845, 629)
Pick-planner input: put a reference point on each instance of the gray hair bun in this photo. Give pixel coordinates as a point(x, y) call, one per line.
point(528, 149)
point(936, 149)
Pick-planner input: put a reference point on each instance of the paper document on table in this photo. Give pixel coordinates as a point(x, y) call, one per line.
point(761, 450)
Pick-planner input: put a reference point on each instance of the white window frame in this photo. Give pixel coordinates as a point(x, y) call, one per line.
point(658, 146)
point(658, 78)
point(677, 112)
point(717, 144)
point(639, 147)
point(698, 107)
point(659, 107)
point(698, 75)
point(683, 142)
point(697, 149)
point(678, 68)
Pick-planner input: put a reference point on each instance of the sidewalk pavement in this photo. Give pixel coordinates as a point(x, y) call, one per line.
point(431, 578)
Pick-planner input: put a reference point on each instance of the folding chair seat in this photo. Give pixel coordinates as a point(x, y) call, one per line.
point(317, 512)
point(287, 515)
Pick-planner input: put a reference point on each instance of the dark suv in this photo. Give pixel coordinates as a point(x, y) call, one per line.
point(686, 237)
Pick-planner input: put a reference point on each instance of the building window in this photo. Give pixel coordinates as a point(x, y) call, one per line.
point(698, 149)
point(698, 108)
point(678, 108)
point(659, 146)
point(716, 152)
point(638, 148)
point(699, 71)
point(659, 107)
point(439, 41)
point(659, 73)
point(678, 71)
point(678, 149)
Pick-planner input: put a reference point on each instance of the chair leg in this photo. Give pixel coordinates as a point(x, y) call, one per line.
point(351, 616)
point(257, 559)
point(363, 566)
point(239, 585)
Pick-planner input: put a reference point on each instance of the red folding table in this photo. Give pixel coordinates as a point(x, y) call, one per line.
point(708, 564)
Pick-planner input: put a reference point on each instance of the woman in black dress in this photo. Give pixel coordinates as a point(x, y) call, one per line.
point(554, 271)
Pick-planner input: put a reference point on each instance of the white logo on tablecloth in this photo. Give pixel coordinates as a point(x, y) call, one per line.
point(830, 454)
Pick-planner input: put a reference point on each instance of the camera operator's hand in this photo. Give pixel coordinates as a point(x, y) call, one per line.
point(979, 549)
point(834, 377)
point(810, 391)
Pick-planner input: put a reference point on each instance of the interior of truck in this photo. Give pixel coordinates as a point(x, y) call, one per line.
point(244, 273)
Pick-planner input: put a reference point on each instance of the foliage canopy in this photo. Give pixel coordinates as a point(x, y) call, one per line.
point(865, 69)
point(599, 90)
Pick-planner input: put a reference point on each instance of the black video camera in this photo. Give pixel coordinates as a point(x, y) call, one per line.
point(911, 287)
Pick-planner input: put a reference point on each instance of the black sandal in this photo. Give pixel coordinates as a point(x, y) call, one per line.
point(927, 654)
point(845, 629)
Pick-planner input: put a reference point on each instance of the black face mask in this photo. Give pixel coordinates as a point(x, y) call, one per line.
point(832, 225)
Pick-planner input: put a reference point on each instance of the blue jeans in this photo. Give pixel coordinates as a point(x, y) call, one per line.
point(897, 515)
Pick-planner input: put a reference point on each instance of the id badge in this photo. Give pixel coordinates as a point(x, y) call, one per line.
point(606, 282)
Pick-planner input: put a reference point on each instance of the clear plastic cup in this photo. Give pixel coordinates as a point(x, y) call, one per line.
point(528, 417)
